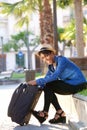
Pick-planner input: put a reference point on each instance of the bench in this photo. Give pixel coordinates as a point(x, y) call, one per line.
point(81, 62)
point(75, 107)
point(6, 74)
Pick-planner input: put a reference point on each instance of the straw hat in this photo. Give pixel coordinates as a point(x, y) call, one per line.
point(44, 47)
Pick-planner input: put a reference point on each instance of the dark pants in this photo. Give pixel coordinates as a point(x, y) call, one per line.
point(59, 87)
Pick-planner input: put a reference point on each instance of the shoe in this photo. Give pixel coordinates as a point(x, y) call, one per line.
point(60, 119)
point(40, 118)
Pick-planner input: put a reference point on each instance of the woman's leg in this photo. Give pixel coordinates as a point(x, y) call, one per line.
point(49, 93)
point(63, 88)
point(50, 89)
point(50, 97)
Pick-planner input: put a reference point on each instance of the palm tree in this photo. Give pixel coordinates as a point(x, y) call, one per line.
point(69, 33)
point(78, 22)
point(22, 9)
point(40, 6)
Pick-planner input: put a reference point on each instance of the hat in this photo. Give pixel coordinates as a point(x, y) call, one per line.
point(44, 47)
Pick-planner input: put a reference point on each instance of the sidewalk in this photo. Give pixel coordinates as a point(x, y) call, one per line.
point(7, 124)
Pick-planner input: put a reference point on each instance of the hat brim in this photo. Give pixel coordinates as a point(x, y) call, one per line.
point(45, 49)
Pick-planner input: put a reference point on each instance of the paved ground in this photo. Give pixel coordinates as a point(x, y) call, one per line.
point(6, 123)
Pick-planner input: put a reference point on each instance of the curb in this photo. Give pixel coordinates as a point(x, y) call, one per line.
point(73, 125)
point(9, 81)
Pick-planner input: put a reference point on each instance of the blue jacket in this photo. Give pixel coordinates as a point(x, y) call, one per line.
point(65, 70)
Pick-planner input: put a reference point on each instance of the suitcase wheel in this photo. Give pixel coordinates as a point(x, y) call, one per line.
point(22, 124)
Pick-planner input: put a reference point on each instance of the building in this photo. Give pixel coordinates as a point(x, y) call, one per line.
point(7, 29)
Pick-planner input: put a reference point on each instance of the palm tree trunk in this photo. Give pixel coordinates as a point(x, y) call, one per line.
point(79, 27)
point(46, 27)
point(41, 27)
point(46, 24)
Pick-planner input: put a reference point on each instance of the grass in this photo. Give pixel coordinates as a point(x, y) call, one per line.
point(22, 75)
point(18, 75)
point(38, 75)
point(83, 92)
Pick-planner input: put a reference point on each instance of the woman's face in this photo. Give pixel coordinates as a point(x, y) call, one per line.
point(47, 58)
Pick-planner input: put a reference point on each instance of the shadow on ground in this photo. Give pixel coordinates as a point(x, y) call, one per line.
point(42, 127)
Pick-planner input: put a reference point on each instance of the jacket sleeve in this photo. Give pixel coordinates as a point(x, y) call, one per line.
point(40, 82)
point(53, 76)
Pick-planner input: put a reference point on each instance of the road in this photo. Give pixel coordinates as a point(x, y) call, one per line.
point(6, 92)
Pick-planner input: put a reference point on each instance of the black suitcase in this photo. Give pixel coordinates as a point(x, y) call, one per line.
point(23, 101)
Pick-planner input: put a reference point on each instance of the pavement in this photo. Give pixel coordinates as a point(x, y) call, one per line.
point(6, 92)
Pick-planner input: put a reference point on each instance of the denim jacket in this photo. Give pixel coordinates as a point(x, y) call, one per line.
point(65, 70)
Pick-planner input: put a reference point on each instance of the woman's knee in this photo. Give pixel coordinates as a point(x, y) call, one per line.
point(46, 89)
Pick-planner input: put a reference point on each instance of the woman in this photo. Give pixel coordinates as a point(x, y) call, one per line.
point(63, 77)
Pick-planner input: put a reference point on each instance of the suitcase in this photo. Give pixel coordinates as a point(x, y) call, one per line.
point(23, 101)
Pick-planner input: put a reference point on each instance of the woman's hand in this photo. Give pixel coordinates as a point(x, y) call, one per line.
point(32, 82)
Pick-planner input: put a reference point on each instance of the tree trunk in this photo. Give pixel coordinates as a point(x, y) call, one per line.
point(41, 26)
point(55, 26)
point(46, 24)
point(79, 27)
point(46, 27)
